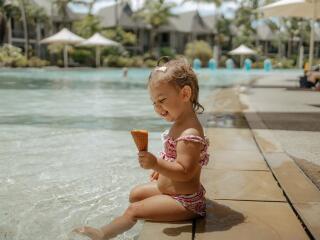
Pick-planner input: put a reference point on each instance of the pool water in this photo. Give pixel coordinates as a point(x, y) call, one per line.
point(66, 153)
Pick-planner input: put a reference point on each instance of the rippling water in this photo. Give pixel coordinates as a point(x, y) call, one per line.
point(66, 154)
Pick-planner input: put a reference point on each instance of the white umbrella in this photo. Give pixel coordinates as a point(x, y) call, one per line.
point(63, 37)
point(98, 40)
point(242, 50)
point(295, 8)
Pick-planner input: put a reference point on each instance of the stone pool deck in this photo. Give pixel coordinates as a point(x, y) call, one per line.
point(255, 188)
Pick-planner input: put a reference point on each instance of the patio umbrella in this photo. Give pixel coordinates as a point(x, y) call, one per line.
point(242, 50)
point(295, 8)
point(99, 41)
point(64, 37)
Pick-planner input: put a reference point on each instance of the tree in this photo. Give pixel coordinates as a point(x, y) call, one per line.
point(8, 11)
point(216, 2)
point(121, 36)
point(245, 15)
point(2, 21)
point(198, 49)
point(88, 25)
point(296, 28)
point(156, 13)
point(21, 5)
point(62, 8)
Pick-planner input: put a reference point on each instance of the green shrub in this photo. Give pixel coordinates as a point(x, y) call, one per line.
point(83, 56)
point(199, 49)
point(282, 63)
point(117, 61)
point(20, 62)
point(258, 64)
point(123, 61)
point(57, 50)
point(37, 62)
point(222, 61)
point(121, 36)
point(150, 63)
point(167, 51)
point(137, 61)
point(11, 56)
point(116, 51)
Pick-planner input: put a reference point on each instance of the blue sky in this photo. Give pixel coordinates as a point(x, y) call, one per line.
point(227, 8)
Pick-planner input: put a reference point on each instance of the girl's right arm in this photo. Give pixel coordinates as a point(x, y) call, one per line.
point(154, 176)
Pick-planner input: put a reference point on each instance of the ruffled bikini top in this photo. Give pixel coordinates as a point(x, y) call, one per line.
point(169, 152)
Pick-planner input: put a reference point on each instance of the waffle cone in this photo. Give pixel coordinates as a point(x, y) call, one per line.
point(140, 138)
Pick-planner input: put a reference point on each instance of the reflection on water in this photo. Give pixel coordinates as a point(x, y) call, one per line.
point(16, 83)
point(87, 122)
point(224, 120)
point(66, 154)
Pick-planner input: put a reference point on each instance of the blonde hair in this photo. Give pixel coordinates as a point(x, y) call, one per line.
point(179, 73)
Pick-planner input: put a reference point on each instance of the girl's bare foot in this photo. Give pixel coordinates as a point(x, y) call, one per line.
point(93, 233)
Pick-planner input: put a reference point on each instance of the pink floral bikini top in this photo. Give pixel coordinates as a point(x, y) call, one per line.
point(169, 152)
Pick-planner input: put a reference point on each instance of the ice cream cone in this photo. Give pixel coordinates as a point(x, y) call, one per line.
point(140, 137)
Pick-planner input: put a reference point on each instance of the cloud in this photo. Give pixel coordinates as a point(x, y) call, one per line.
point(227, 8)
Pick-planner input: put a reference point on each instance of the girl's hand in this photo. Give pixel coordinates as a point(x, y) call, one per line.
point(147, 160)
point(154, 176)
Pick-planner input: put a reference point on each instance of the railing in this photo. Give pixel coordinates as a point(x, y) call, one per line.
point(20, 34)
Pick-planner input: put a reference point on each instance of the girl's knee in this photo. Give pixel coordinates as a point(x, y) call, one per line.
point(134, 195)
point(133, 211)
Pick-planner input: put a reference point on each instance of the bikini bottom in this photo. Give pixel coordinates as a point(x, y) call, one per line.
point(194, 202)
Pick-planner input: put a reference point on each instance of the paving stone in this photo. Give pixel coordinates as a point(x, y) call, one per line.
point(310, 214)
point(266, 141)
point(231, 139)
point(166, 231)
point(237, 160)
point(297, 186)
point(243, 220)
point(241, 185)
point(254, 120)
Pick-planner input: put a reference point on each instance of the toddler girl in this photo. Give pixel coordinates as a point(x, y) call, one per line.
point(175, 192)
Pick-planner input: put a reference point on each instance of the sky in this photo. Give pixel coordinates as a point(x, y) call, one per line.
point(227, 9)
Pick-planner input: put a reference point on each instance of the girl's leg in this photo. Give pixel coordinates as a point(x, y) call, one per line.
point(156, 208)
point(144, 191)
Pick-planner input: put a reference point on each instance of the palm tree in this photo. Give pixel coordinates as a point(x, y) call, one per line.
point(2, 21)
point(22, 5)
point(216, 2)
point(25, 12)
point(37, 16)
point(7, 11)
point(156, 13)
point(62, 8)
point(88, 25)
point(31, 15)
point(296, 28)
point(8, 7)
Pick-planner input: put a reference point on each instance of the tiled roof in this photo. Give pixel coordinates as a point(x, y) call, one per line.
point(108, 16)
point(187, 22)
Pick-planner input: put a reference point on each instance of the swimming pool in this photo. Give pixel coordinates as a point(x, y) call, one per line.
point(66, 154)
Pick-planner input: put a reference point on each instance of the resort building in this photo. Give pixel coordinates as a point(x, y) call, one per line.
point(37, 28)
point(182, 28)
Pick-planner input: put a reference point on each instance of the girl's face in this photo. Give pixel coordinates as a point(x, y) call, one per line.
point(168, 101)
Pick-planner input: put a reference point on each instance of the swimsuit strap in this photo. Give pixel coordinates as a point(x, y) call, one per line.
point(192, 138)
point(204, 156)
